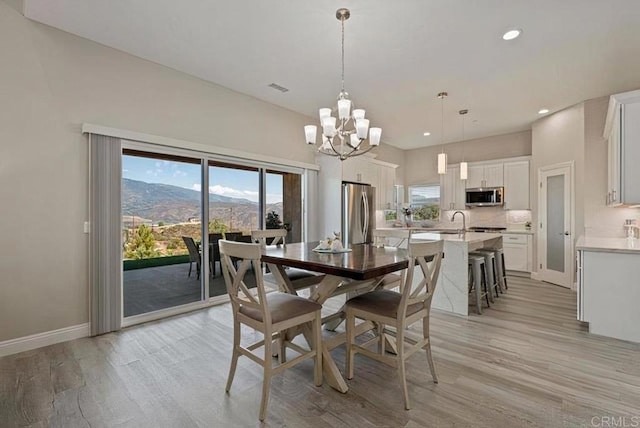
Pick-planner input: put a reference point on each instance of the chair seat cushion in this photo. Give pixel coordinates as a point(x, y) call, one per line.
point(382, 302)
point(283, 307)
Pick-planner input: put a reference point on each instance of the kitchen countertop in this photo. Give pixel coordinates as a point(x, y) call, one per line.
point(519, 231)
point(469, 237)
point(610, 245)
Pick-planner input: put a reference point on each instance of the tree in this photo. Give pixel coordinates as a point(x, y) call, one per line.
point(273, 220)
point(217, 226)
point(142, 246)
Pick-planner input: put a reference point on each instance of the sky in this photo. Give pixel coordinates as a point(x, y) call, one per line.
point(223, 181)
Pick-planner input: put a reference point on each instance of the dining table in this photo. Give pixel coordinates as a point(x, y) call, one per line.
point(359, 269)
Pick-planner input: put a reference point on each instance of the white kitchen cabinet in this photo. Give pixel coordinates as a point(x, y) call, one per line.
point(608, 292)
point(485, 175)
point(518, 251)
point(385, 187)
point(622, 131)
point(516, 185)
point(452, 190)
point(359, 170)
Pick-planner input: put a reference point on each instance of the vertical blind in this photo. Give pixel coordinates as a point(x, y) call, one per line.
point(105, 264)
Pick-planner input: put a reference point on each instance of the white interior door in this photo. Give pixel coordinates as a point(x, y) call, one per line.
point(555, 215)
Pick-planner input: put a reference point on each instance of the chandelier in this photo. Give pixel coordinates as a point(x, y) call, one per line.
point(343, 135)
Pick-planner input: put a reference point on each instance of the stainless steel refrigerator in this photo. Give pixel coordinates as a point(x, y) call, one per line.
point(358, 213)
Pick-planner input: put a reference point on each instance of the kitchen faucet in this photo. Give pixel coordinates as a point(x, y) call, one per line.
point(464, 222)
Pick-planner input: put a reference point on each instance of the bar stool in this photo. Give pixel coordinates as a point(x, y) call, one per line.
point(478, 280)
point(501, 271)
point(490, 271)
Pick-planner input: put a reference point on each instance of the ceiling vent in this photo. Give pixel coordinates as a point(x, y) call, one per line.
point(278, 87)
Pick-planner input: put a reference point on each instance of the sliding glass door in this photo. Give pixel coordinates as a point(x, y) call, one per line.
point(177, 207)
point(235, 206)
point(161, 231)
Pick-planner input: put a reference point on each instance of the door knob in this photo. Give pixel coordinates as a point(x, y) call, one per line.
point(564, 233)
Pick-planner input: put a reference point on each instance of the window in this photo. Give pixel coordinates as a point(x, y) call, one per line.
point(424, 201)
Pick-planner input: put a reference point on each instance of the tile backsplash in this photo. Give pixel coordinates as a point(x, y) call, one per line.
point(486, 216)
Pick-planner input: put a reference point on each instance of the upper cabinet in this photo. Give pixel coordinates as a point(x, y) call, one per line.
point(622, 131)
point(516, 185)
point(359, 170)
point(512, 174)
point(386, 197)
point(485, 175)
point(453, 190)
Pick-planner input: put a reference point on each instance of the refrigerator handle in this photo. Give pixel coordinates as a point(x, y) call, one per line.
point(365, 226)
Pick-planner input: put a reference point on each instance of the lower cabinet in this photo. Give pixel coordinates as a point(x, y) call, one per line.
point(608, 293)
point(518, 251)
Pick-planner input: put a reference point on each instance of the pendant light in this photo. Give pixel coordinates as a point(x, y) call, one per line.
point(442, 157)
point(463, 164)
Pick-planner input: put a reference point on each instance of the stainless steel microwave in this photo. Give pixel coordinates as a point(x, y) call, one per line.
point(485, 197)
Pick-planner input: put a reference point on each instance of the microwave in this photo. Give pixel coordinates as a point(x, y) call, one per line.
point(485, 197)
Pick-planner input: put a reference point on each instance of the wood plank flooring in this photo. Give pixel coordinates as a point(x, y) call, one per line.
point(526, 362)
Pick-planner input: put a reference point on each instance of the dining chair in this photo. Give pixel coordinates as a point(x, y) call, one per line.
point(299, 278)
point(194, 254)
point(391, 308)
point(395, 238)
point(271, 314)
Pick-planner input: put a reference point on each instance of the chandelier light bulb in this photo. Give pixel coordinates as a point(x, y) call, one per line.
point(354, 141)
point(344, 108)
point(324, 112)
point(310, 133)
point(362, 127)
point(374, 136)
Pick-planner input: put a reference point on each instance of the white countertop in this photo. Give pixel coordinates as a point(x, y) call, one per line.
point(610, 245)
point(519, 231)
point(469, 237)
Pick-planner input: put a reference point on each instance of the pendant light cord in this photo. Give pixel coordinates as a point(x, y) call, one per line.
point(442, 122)
point(342, 23)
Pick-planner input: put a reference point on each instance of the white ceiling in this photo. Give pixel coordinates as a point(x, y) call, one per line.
point(399, 54)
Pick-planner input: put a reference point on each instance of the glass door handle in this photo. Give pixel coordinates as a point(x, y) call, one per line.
point(564, 233)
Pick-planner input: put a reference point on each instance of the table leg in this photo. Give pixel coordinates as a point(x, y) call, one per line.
point(323, 291)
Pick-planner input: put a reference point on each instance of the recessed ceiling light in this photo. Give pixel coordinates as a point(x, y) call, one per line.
point(511, 34)
point(543, 111)
point(426, 134)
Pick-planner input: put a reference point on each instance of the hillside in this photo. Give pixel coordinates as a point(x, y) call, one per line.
point(172, 204)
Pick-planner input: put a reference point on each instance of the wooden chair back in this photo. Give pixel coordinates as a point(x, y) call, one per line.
point(277, 236)
point(428, 256)
point(401, 237)
point(247, 256)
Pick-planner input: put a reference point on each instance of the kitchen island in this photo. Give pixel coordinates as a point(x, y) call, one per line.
point(452, 291)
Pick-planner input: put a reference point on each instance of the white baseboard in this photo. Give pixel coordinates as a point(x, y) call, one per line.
point(38, 340)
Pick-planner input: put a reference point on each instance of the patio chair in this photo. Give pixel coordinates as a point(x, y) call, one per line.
point(194, 254)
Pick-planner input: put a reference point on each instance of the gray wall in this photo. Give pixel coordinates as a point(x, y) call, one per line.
point(420, 165)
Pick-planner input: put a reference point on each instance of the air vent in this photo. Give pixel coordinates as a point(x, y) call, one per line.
point(278, 87)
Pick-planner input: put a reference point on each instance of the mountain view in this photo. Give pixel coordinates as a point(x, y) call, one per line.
point(154, 203)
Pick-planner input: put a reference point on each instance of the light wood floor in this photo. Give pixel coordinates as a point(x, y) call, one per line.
point(526, 362)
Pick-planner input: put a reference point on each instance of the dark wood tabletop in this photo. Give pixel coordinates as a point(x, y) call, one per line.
point(365, 261)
